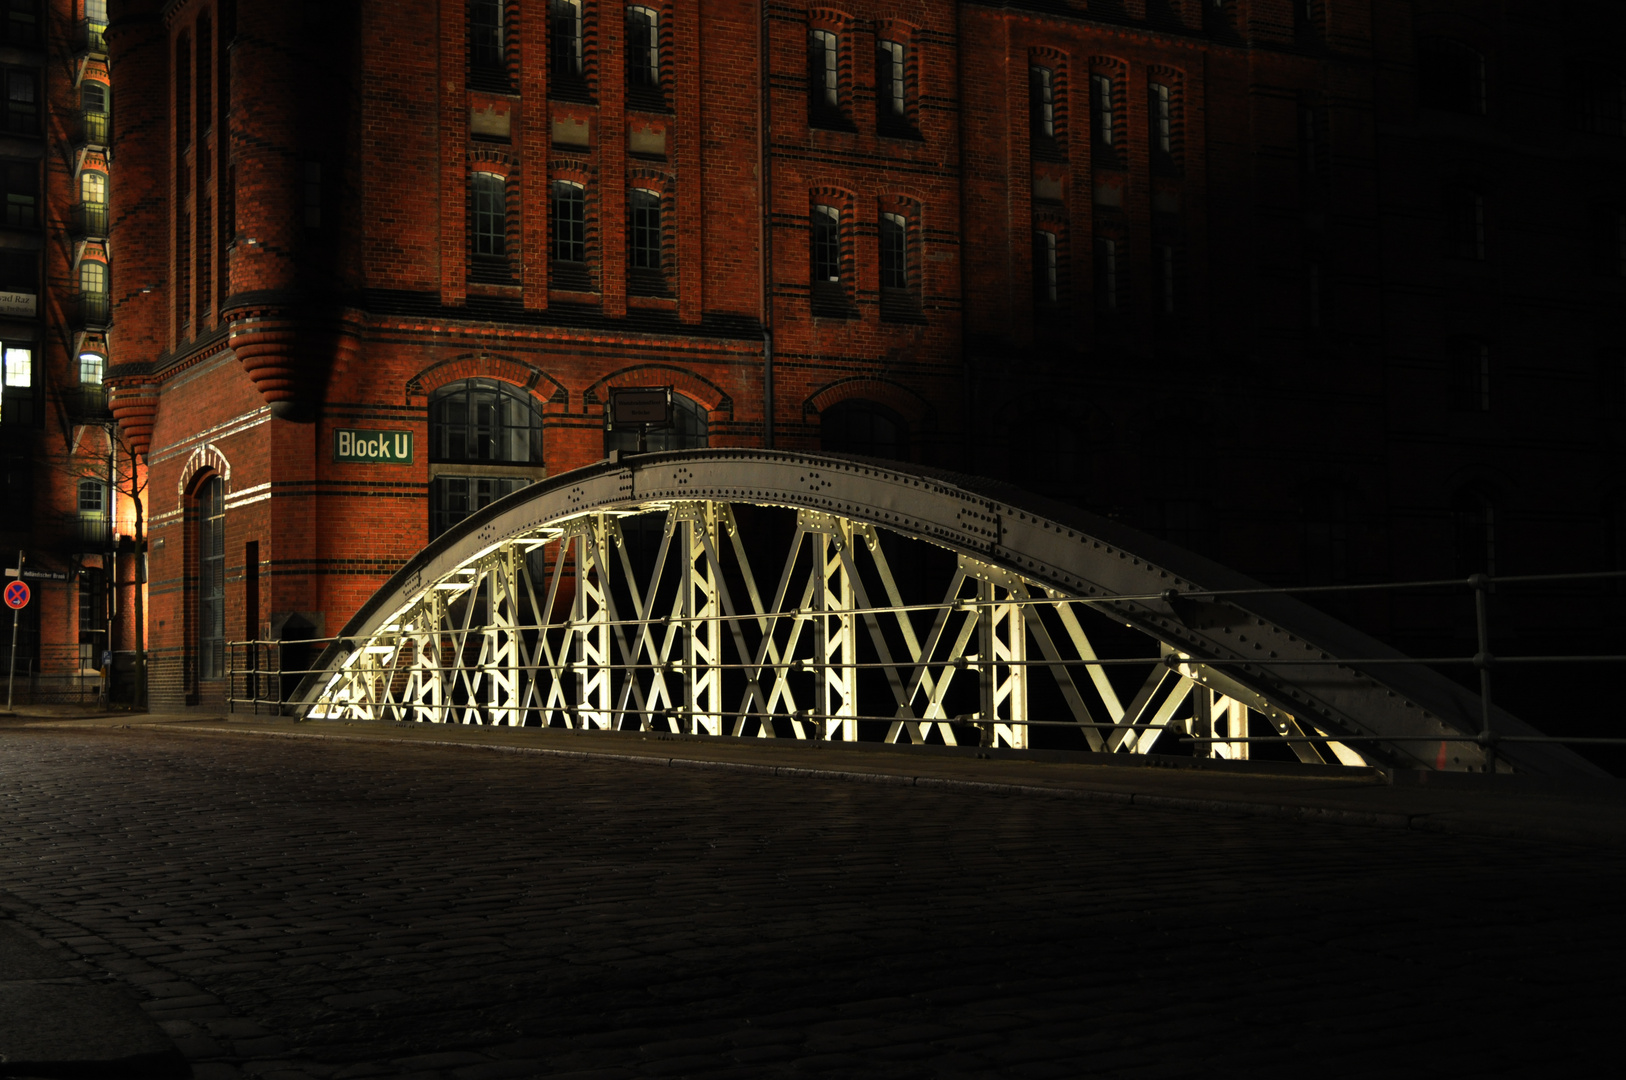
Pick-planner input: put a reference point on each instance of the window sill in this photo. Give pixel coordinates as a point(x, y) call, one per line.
point(652, 303)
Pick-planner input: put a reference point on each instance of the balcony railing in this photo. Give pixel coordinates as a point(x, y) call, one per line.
point(87, 402)
point(94, 35)
point(95, 311)
point(90, 219)
point(86, 534)
point(95, 128)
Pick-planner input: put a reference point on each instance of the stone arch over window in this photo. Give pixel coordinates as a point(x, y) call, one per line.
point(508, 369)
point(1048, 111)
point(897, 78)
point(206, 460)
point(898, 400)
point(703, 391)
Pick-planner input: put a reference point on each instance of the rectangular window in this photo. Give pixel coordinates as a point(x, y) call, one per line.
point(453, 498)
point(1042, 102)
point(823, 76)
point(22, 102)
point(643, 47)
point(19, 367)
point(569, 222)
point(22, 194)
point(486, 18)
point(1046, 269)
point(1101, 110)
point(490, 215)
point(894, 248)
point(826, 244)
point(22, 21)
point(1162, 119)
point(565, 39)
point(646, 230)
point(1106, 276)
point(92, 498)
point(91, 366)
point(890, 105)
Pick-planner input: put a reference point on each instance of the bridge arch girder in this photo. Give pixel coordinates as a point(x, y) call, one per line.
point(540, 610)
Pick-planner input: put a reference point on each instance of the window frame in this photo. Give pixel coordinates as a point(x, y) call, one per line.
point(22, 199)
point(1103, 113)
point(824, 244)
point(827, 96)
point(643, 34)
point(22, 115)
point(488, 216)
point(572, 248)
point(1046, 267)
point(488, 466)
point(488, 36)
point(892, 70)
point(210, 499)
point(1041, 102)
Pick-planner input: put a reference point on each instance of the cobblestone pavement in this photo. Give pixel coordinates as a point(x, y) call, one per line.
point(294, 908)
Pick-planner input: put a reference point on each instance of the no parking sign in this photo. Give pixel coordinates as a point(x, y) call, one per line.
point(17, 594)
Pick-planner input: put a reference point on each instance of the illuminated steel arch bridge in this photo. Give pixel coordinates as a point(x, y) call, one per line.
point(806, 596)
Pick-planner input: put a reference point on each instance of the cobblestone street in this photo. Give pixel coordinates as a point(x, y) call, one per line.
point(292, 908)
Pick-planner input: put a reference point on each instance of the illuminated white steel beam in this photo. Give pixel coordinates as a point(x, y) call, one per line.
point(539, 611)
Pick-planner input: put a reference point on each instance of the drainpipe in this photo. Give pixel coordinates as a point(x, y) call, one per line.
point(765, 228)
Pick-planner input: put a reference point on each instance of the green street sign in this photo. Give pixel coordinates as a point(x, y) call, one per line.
point(355, 447)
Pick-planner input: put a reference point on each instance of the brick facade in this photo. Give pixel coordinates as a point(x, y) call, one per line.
point(1250, 348)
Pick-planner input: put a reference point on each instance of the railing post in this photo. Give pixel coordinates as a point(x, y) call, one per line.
point(1483, 660)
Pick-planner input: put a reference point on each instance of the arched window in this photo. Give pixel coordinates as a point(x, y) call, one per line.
point(643, 47)
point(479, 424)
point(826, 246)
point(569, 222)
point(690, 430)
point(211, 510)
point(486, 33)
point(864, 427)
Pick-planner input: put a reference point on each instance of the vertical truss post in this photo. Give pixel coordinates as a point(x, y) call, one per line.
point(590, 623)
point(1001, 659)
point(702, 630)
point(834, 638)
point(502, 639)
point(425, 688)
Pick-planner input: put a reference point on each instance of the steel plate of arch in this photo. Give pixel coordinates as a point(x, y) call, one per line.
point(774, 594)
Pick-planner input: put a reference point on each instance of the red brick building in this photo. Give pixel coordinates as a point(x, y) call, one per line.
point(1325, 290)
point(65, 478)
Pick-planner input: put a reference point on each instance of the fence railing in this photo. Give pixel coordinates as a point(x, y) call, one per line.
point(260, 677)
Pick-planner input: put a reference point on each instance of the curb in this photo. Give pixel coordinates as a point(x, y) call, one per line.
point(57, 1023)
point(1446, 823)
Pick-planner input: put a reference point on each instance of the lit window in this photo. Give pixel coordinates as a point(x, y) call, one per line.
point(894, 258)
point(490, 215)
point(1042, 101)
point(889, 82)
point(826, 246)
point(565, 37)
point(569, 222)
point(643, 47)
point(93, 188)
point(93, 278)
point(1101, 108)
point(19, 367)
point(646, 230)
point(91, 367)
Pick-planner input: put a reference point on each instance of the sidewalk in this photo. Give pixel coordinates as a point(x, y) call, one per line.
point(1510, 806)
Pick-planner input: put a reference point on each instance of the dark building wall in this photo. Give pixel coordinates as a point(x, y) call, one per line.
point(1298, 401)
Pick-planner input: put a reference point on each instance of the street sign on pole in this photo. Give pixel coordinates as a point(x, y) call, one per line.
point(22, 598)
point(17, 594)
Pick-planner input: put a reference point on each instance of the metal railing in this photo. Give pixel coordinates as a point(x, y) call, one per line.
point(90, 219)
point(94, 35)
point(256, 667)
point(95, 128)
point(95, 310)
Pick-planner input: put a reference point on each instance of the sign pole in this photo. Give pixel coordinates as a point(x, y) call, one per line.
point(11, 671)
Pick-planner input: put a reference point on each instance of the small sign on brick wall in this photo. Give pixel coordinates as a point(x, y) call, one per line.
point(372, 447)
